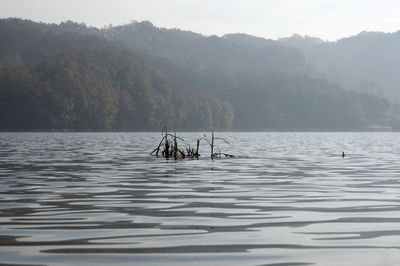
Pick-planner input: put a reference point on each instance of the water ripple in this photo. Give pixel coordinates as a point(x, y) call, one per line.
point(287, 199)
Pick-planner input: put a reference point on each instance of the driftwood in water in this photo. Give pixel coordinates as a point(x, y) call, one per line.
point(171, 149)
point(219, 155)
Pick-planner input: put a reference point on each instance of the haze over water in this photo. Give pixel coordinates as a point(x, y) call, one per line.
point(286, 199)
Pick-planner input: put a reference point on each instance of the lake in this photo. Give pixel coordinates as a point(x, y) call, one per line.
point(286, 199)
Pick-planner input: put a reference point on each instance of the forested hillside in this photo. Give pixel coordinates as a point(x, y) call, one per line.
point(103, 90)
point(139, 77)
point(24, 41)
point(277, 101)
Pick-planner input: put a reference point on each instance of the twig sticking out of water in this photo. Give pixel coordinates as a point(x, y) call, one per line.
point(211, 143)
point(171, 149)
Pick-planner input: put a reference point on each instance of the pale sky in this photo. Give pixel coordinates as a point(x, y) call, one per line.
point(327, 19)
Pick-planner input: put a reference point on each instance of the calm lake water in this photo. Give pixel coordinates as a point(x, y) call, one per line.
point(287, 199)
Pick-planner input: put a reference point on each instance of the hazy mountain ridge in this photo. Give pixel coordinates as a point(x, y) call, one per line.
point(366, 62)
point(34, 42)
point(100, 85)
point(209, 51)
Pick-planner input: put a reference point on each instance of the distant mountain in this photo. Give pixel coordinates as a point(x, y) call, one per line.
point(41, 41)
point(234, 53)
point(25, 41)
point(367, 62)
point(140, 77)
point(301, 41)
point(249, 40)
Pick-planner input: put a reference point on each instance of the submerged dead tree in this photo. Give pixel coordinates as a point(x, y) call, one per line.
point(211, 143)
point(169, 147)
point(170, 144)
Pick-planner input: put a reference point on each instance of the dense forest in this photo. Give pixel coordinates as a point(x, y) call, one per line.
point(139, 77)
point(278, 101)
point(103, 90)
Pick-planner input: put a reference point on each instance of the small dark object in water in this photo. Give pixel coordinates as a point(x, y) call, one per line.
point(343, 154)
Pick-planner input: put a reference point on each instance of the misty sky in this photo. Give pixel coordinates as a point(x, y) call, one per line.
point(327, 19)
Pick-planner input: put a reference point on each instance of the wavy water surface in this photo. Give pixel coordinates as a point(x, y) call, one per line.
point(286, 199)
